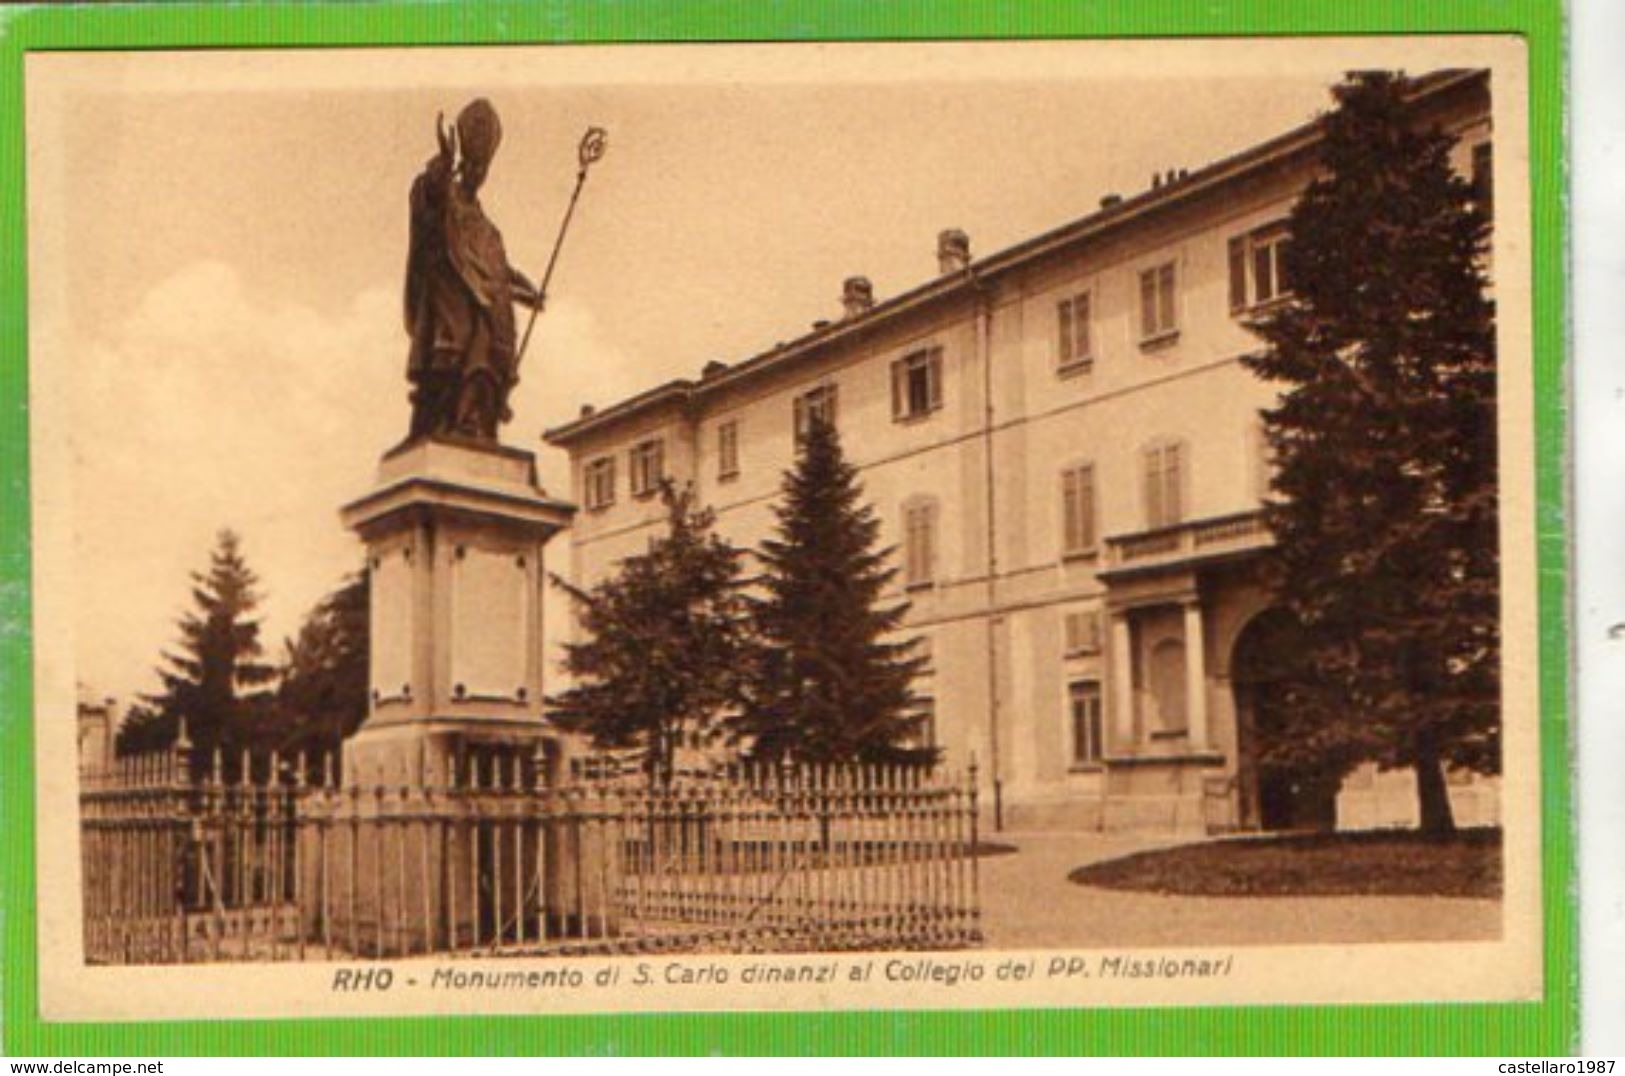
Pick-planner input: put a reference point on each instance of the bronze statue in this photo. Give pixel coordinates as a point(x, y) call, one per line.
point(460, 289)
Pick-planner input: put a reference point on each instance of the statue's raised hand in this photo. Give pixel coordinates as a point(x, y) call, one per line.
point(441, 163)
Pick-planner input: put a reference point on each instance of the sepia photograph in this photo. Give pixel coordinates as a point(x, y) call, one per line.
point(799, 526)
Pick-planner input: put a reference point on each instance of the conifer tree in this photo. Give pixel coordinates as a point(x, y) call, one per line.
point(214, 679)
point(666, 644)
point(834, 683)
point(1384, 438)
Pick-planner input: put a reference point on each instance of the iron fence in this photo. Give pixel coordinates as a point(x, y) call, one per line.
point(281, 862)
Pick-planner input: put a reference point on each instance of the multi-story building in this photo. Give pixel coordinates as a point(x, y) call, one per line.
point(1066, 450)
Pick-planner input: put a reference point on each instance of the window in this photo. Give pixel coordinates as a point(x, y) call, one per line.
point(916, 384)
point(1078, 510)
point(1164, 484)
point(925, 713)
point(1083, 710)
point(599, 480)
point(815, 405)
point(728, 450)
point(919, 543)
point(648, 467)
point(1257, 269)
point(1074, 350)
point(1484, 178)
point(1158, 318)
point(1082, 632)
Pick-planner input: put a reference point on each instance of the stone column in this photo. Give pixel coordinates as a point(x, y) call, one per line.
point(1122, 678)
point(1195, 676)
point(454, 535)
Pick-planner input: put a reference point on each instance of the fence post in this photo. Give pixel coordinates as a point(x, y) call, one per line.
point(975, 854)
point(181, 763)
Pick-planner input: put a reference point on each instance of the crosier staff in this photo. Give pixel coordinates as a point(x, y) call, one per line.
point(591, 149)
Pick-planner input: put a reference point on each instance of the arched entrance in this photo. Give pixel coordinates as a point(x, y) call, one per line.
point(1272, 796)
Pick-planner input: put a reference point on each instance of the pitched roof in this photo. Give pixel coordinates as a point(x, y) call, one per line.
point(1106, 221)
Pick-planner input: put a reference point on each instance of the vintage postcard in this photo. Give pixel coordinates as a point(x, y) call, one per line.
point(802, 526)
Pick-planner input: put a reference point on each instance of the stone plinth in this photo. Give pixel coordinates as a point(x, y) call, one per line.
point(454, 535)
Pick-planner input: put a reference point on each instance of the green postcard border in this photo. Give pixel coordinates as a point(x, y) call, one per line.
point(1546, 1027)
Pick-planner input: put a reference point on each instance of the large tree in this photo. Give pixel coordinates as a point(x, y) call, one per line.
point(665, 646)
point(834, 681)
point(322, 697)
point(214, 679)
point(1384, 438)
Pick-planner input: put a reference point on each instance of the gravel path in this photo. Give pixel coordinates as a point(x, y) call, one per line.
point(1027, 903)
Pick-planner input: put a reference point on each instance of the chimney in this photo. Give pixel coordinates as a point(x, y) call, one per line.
point(713, 368)
point(587, 410)
point(857, 296)
point(953, 251)
point(1111, 201)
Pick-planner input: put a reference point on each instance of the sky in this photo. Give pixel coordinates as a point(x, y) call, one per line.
point(217, 244)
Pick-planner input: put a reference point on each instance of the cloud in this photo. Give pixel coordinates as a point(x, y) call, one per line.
point(570, 361)
point(210, 406)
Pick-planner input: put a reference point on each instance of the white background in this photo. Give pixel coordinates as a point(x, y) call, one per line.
point(1597, 38)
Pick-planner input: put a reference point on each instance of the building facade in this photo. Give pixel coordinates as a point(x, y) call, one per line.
point(1066, 450)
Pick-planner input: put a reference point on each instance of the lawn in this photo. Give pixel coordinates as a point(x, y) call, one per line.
point(1377, 863)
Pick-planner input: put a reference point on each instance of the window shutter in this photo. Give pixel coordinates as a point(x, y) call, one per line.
point(1063, 317)
point(1165, 281)
point(911, 545)
point(1082, 632)
point(1080, 326)
point(1173, 495)
point(899, 388)
point(1148, 302)
point(934, 377)
point(928, 543)
point(1153, 487)
point(1238, 273)
point(1264, 271)
point(1086, 508)
point(1069, 511)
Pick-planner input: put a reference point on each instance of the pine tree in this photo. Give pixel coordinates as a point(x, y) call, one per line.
point(322, 697)
point(215, 679)
point(834, 684)
point(666, 647)
point(1385, 518)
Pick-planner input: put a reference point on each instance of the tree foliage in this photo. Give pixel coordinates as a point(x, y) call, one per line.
point(834, 684)
point(322, 697)
point(666, 643)
point(1385, 514)
point(214, 679)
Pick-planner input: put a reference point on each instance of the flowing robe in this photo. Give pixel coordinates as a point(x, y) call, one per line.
point(459, 312)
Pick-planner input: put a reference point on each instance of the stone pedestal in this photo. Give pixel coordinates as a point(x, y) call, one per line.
point(454, 535)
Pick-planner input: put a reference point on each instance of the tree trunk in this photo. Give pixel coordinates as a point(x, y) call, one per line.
point(1433, 797)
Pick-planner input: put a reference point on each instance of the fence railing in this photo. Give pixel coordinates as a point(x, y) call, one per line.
point(283, 864)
